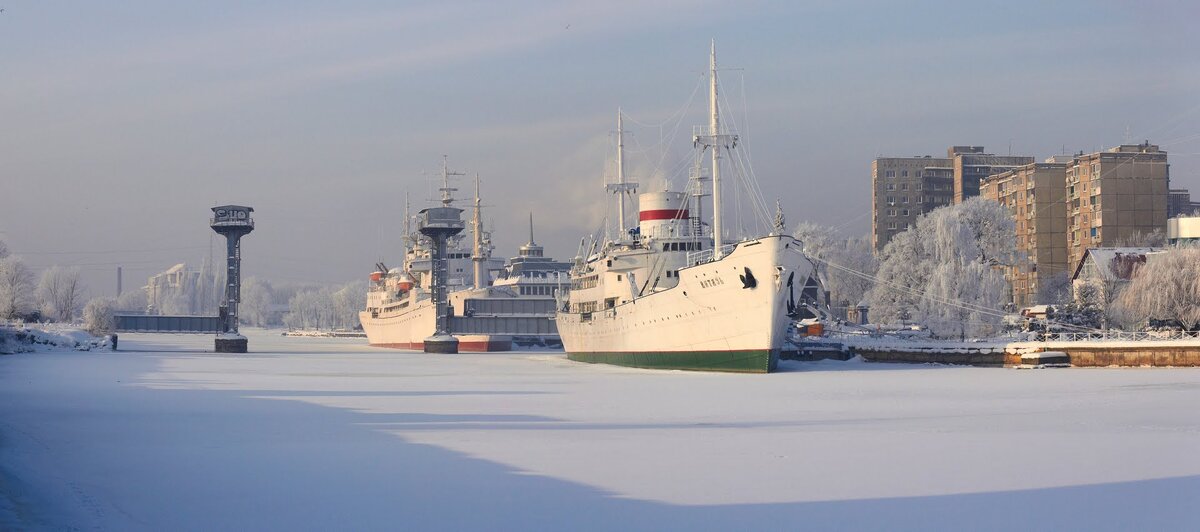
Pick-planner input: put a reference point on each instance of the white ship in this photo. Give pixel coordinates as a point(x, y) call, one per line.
point(400, 312)
point(671, 294)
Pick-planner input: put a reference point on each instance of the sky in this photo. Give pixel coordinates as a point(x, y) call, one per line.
point(122, 124)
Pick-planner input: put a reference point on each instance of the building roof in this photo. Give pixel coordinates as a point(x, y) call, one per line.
point(1116, 263)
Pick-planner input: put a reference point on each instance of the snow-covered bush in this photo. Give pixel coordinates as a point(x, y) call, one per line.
point(98, 316)
point(947, 271)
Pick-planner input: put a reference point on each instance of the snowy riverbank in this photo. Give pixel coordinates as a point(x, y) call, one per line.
point(25, 338)
point(318, 434)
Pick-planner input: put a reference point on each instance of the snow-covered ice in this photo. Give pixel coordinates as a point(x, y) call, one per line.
point(325, 433)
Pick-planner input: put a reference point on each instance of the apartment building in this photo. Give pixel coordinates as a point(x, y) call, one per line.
point(1035, 194)
point(1113, 195)
point(903, 188)
point(971, 165)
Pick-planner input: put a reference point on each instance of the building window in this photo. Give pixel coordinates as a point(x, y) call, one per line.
point(891, 212)
point(890, 173)
point(918, 186)
point(903, 199)
point(920, 199)
point(903, 186)
point(891, 186)
point(891, 225)
point(904, 212)
point(891, 200)
point(904, 173)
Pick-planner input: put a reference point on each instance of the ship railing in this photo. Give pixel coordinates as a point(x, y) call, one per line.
point(697, 258)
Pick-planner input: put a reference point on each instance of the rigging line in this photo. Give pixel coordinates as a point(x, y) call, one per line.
point(743, 159)
point(916, 291)
point(1174, 122)
point(680, 112)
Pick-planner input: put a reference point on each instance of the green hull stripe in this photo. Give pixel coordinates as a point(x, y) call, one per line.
point(748, 361)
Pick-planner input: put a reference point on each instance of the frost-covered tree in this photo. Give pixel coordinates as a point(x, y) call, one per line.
point(60, 292)
point(1165, 289)
point(845, 266)
point(947, 270)
point(3, 249)
point(16, 288)
point(132, 300)
point(255, 307)
point(311, 309)
point(326, 308)
point(347, 302)
point(98, 315)
point(1054, 289)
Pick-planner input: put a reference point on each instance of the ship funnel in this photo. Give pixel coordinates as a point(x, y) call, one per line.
point(663, 214)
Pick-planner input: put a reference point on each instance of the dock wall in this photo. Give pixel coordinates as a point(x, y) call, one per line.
point(1175, 353)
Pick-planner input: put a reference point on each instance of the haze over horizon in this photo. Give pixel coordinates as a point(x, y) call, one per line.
point(123, 123)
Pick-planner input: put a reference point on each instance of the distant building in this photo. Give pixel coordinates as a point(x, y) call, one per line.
point(183, 291)
point(971, 165)
point(1034, 194)
point(1115, 195)
point(1179, 203)
point(906, 187)
point(903, 188)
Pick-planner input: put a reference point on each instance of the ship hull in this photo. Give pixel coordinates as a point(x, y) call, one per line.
point(408, 328)
point(713, 320)
point(747, 361)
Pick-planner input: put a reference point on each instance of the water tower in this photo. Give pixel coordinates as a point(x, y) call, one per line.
point(439, 224)
point(234, 222)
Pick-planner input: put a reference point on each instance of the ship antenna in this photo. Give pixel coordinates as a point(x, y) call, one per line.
point(447, 199)
point(531, 228)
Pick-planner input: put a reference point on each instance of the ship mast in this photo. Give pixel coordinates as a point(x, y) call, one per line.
point(715, 140)
point(620, 175)
point(477, 257)
point(714, 127)
point(407, 224)
point(621, 188)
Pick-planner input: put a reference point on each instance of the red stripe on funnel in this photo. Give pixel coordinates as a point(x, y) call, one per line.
point(663, 214)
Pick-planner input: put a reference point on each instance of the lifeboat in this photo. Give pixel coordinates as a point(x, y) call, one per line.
point(405, 283)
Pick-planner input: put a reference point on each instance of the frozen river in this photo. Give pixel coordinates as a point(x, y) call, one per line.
point(325, 434)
